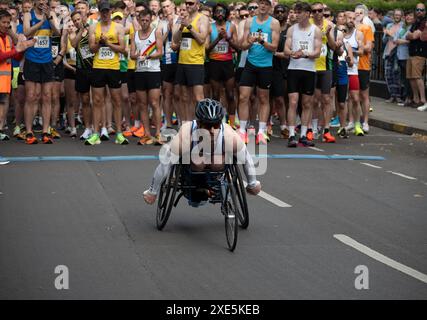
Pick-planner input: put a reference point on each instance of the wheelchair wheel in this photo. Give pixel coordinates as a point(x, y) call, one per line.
point(242, 212)
point(167, 196)
point(230, 213)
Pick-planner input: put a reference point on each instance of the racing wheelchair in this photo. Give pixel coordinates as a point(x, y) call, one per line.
point(225, 187)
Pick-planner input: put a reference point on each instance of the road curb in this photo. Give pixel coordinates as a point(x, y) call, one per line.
point(396, 127)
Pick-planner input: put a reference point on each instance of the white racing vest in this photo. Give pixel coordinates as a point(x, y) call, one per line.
point(148, 65)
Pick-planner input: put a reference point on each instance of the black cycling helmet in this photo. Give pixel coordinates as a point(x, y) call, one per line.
point(209, 111)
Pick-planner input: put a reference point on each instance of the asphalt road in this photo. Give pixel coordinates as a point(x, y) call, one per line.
point(90, 217)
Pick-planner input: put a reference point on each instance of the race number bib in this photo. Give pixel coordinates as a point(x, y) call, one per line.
point(85, 52)
point(55, 50)
point(264, 36)
point(185, 44)
point(221, 47)
point(323, 50)
point(42, 42)
point(73, 54)
point(168, 48)
point(105, 53)
point(303, 45)
point(142, 64)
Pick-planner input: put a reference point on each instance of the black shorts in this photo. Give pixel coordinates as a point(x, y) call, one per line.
point(58, 75)
point(21, 81)
point(221, 70)
point(131, 81)
point(301, 81)
point(207, 75)
point(124, 77)
point(148, 80)
point(68, 74)
point(364, 79)
point(256, 76)
point(238, 75)
point(104, 77)
point(82, 84)
point(169, 72)
point(38, 72)
point(342, 90)
point(190, 74)
point(277, 88)
point(324, 81)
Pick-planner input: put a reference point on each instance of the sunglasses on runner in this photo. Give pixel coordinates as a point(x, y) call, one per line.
point(326, 15)
point(317, 11)
point(244, 16)
point(420, 10)
point(251, 8)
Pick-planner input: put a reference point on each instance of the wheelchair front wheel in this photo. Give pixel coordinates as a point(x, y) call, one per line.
point(242, 210)
point(231, 213)
point(167, 196)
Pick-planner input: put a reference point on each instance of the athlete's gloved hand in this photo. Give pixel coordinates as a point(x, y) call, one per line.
point(254, 190)
point(149, 197)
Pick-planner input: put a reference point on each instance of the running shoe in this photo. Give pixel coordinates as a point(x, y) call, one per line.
point(310, 135)
point(358, 131)
point(251, 131)
point(423, 107)
point(174, 119)
point(342, 133)
point(305, 142)
point(140, 132)
point(127, 133)
point(146, 140)
point(134, 129)
point(21, 136)
point(335, 122)
point(73, 133)
point(46, 138)
point(292, 142)
point(328, 137)
point(110, 131)
point(4, 136)
point(67, 130)
point(244, 136)
point(37, 124)
point(365, 128)
point(269, 130)
point(158, 141)
point(284, 133)
point(93, 139)
point(86, 134)
point(54, 134)
point(120, 139)
point(262, 138)
point(30, 139)
point(350, 126)
point(16, 131)
point(104, 134)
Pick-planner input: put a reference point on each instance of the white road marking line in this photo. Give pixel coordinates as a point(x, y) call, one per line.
point(402, 175)
point(316, 149)
point(272, 199)
point(381, 258)
point(371, 165)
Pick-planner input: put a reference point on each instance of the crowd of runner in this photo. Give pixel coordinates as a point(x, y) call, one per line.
point(125, 69)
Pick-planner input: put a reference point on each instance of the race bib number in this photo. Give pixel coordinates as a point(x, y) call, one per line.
point(303, 45)
point(264, 36)
point(323, 50)
point(142, 64)
point(185, 44)
point(168, 48)
point(105, 53)
point(221, 47)
point(42, 42)
point(55, 50)
point(85, 52)
point(73, 54)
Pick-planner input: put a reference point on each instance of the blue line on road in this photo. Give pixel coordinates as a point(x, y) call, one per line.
point(154, 157)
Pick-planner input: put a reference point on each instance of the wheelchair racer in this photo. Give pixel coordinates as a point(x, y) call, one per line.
point(225, 143)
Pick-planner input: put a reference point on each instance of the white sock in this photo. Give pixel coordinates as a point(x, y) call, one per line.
point(283, 127)
point(262, 127)
point(291, 131)
point(303, 131)
point(243, 126)
point(137, 123)
point(314, 123)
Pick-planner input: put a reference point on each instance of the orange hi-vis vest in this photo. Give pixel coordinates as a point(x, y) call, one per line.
point(5, 67)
